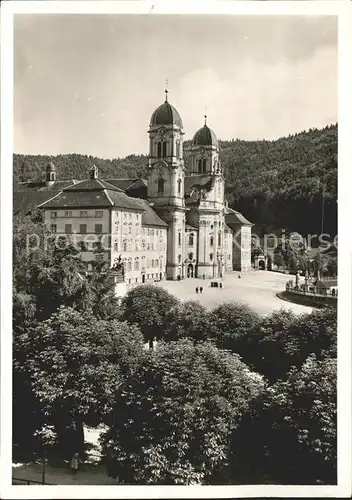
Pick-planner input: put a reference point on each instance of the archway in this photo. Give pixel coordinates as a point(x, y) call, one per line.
point(261, 265)
point(143, 278)
point(190, 271)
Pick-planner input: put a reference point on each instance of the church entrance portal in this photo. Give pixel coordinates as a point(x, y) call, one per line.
point(190, 271)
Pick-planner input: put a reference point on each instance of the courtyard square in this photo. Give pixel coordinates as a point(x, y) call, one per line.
point(256, 289)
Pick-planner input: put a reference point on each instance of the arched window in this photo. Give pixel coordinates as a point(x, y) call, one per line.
point(164, 149)
point(179, 259)
point(204, 166)
point(179, 239)
point(219, 238)
point(159, 149)
point(211, 241)
point(129, 266)
point(190, 256)
point(136, 265)
point(191, 240)
point(156, 263)
point(160, 186)
point(143, 245)
point(179, 186)
point(177, 149)
point(152, 262)
point(211, 256)
point(125, 246)
point(199, 166)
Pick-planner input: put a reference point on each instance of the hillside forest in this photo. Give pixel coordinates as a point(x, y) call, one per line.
point(281, 184)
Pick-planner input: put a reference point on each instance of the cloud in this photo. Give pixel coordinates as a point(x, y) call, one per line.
point(89, 84)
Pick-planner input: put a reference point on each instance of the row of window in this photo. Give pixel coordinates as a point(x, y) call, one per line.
point(98, 228)
point(191, 240)
point(82, 213)
point(161, 149)
point(127, 247)
point(136, 264)
point(161, 186)
point(129, 215)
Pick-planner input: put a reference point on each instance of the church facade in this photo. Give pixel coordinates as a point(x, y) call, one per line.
point(171, 225)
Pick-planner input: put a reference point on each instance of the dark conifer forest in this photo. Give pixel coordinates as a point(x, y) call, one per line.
point(275, 184)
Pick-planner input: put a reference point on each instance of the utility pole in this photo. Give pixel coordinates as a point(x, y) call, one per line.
point(323, 207)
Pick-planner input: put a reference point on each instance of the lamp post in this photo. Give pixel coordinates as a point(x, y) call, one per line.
point(47, 438)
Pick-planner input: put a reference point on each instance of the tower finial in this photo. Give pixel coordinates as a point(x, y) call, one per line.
point(205, 116)
point(166, 90)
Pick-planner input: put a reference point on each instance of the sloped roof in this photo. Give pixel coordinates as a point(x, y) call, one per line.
point(149, 216)
point(22, 187)
point(123, 184)
point(90, 198)
point(92, 185)
point(138, 184)
point(166, 114)
point(28, 195)
point(205, 137)
point(235, 218)
point(198, 181)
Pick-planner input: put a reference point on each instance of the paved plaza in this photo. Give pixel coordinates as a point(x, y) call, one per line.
point(256, 289)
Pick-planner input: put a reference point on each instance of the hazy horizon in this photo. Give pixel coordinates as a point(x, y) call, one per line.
point(88, 84)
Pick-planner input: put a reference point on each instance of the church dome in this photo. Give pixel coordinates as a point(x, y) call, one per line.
point(166, 114)
point(205, 137)
point(50, 167)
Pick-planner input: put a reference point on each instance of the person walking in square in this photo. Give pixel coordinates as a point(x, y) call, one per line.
point(197, 290)
point(201, 289)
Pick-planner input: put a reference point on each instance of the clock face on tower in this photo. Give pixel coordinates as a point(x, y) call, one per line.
point(162, 131)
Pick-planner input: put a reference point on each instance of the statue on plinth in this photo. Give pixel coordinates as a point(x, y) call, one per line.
point(118, 269)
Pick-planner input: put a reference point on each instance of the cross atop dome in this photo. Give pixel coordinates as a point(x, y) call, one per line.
point(166, 90)
point(205, 120)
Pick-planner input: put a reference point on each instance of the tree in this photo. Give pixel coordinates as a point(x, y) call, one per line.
point(28, 250)
point(285, 340)
point(278, 258)
point(233, 327)
point(331, 267)
point(50, 271)
point(187, 319)
point(289, 435)
point(173, 420)
point(147, 306)
point(76, 362)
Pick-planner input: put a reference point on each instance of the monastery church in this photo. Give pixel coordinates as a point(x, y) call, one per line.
point(168, 226)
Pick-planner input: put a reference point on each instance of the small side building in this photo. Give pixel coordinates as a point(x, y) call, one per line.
point(242, 232)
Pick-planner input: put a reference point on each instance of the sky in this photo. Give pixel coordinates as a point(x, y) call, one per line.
point(90, 83)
